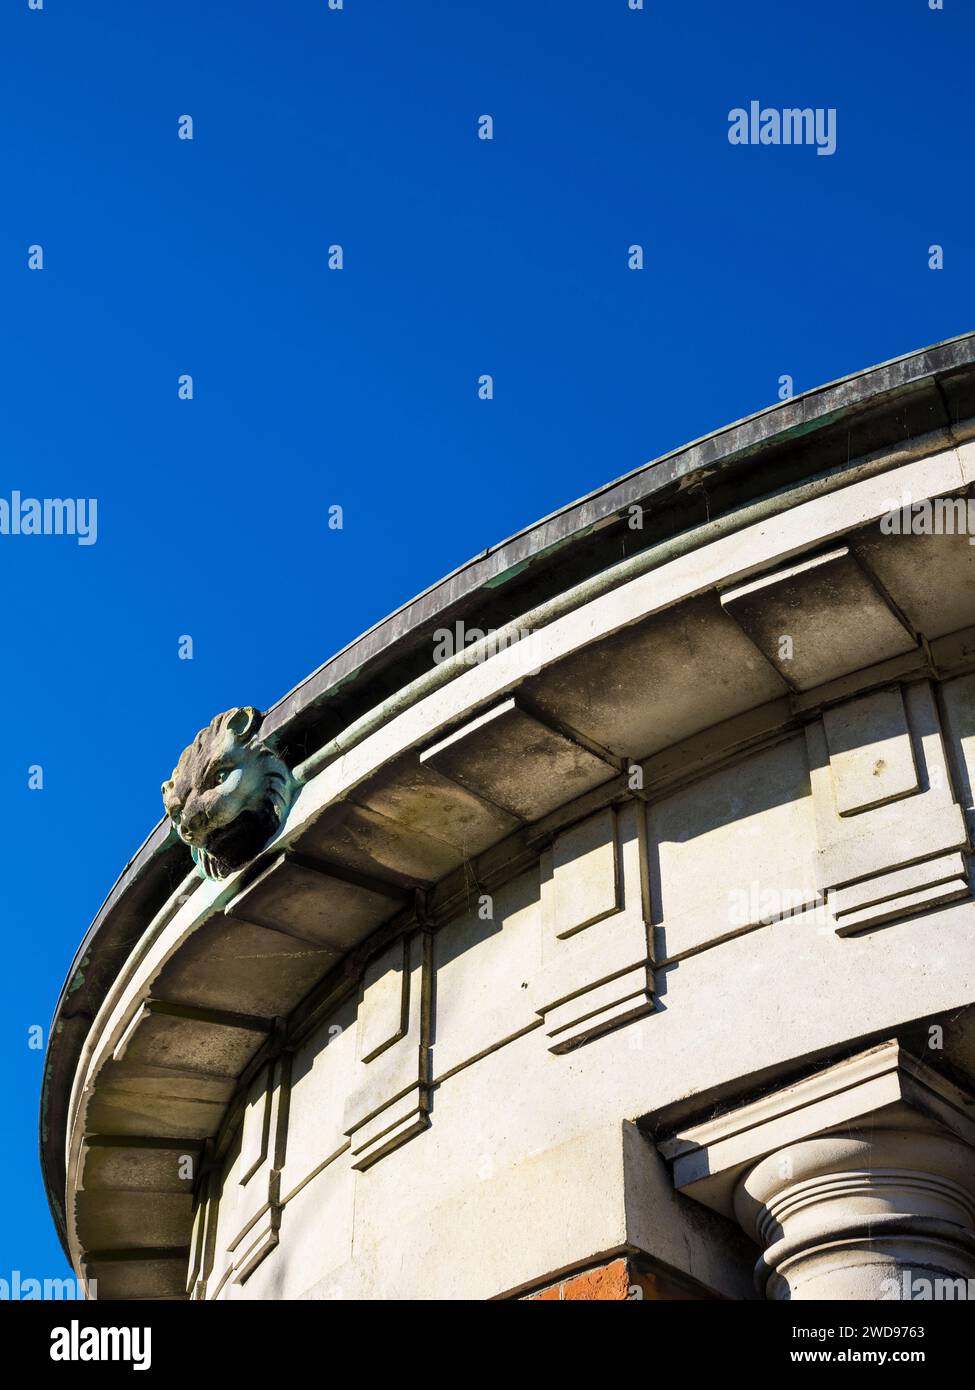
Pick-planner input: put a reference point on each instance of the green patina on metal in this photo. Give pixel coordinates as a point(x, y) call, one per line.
point(229, 793)
point(78, 979)
point(810, 426)
point(45, 1090)
point(514, 570)
point(506, 575)
point(279, 737)
point(348, 679)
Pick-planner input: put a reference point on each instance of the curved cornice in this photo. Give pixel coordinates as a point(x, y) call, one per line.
point(779, 448)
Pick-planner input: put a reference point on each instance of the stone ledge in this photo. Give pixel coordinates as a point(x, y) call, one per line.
point(709, 1158)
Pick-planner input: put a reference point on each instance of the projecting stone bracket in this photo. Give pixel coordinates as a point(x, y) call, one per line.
point(390, 1101)
point(516, 762)
point(902, 893)
point(264, 1137)
point(598, 968)
point(331, 908)
point(890, 834)
point(819, 618)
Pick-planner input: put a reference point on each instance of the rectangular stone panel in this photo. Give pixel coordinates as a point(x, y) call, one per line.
point(252, 1184)
point(597, 972)
point(897, 833)
point(385, 1013)
point(870, 752)
point(390, 1090)
point(585, 871)
point(486, 969)
point(402, 1063)
point(323, 1072)
point(256, 1125)
point(734, 850)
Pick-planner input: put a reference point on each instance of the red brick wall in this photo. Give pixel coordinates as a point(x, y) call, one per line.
point(619, 1281)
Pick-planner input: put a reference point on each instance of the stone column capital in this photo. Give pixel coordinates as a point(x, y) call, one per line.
point(846, 1179)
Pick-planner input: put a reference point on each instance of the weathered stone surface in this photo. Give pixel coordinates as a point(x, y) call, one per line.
point(412, 794)
point(586, 874)
point(516, 762)
point(932, 576)
point(155, 1219)
point(870, 753)
point(630, 692)
point(733, 850)
point(359, 839)
point(146, 1099)
point(138, 1275)
point(234, 965)
point(818, 619)
point(881, 838)
point(476, 1009)
point(194, 1041)
point(315, 905)
point(388, 1102)
point(115, 1164)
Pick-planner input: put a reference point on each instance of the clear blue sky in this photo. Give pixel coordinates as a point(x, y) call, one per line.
point(358, 388)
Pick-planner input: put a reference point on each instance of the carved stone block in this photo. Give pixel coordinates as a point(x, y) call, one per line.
point(389, 1102)
point(385, 1014)
point(257, 1218)
point(597, 971)
point(311, 903)
point(585, 873)
point(818, 619)
point(870, 753)
point(517, 762)
point(881, 859)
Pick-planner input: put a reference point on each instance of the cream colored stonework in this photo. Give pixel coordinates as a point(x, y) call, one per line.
point(452, 1034)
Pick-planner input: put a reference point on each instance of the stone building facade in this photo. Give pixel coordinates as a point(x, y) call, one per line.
point(613, 934)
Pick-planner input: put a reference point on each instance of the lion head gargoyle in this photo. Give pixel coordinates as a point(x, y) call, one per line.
point(228, 793)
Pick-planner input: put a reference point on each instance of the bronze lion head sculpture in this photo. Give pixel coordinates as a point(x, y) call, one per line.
point(228, 794)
